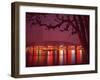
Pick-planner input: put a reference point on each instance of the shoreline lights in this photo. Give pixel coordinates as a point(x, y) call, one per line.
point(54, 55)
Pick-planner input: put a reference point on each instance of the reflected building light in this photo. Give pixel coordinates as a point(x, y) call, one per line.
point(79, 54)
point(73, 56)
point(61, 55)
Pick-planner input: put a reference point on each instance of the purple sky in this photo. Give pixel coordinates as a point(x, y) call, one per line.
point(36, 33)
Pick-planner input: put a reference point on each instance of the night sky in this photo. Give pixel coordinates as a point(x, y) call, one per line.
point(37, 34)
